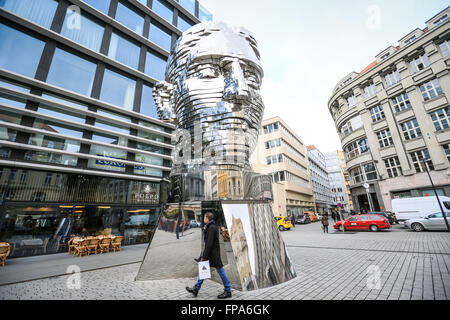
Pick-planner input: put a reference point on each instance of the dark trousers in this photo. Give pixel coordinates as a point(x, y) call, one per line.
point(325, 229)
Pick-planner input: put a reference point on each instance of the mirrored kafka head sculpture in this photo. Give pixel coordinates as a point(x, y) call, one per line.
point(212, 94)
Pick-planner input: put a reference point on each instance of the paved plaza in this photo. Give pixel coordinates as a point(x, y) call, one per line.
point(396, 264)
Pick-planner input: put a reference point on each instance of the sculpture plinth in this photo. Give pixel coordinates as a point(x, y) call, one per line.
point(212, 95)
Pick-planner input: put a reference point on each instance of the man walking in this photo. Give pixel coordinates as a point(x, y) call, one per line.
point(211, 252)
point(333, 215)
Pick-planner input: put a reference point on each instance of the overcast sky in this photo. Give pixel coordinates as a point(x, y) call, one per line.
point(308, 46)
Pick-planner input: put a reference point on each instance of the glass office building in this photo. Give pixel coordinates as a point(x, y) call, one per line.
point(81, 145)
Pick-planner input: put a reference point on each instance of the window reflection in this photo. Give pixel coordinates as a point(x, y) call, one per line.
point(118, 90)
point(124, 51)
point(160, 35)
point(19, 52)
point(88, 34)
point(130, 18)
point(148, 106)
point(107, 164)
point(52, 126)
point(155, 65)
point(81, 72)
point(38, 11)
point(184, 23)
point(163, 9)
point(100, 5)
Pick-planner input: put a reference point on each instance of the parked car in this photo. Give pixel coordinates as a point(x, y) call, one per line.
point(312, 215)
point(434, 221)
point(304, 219)
point(418, 207)
point(284, 223)
point(194, 224)
point(386, 214)
point(372, 222)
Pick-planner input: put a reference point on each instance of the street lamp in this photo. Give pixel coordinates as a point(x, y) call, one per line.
point(423, 162)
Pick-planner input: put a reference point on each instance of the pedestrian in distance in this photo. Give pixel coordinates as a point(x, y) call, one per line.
point(211, 253)
point(325, 222)
point(333, 215)
point(293, 220)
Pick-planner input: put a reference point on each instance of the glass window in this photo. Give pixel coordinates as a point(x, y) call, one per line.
point(38, 11)
point(184, 23)
point(41, 140)
point(377, 113)
point(19, 52)
point(411, 129)
point(12, 100)
point(422, 155)
point(130, 18)
point(7, 134)
point(80, 70)
point(61, 113)
point(384, 138)
point(54, 158)
point(445, 47)
point(65, 101)
point(106, 138)
point(52, 126)
point(124, 51)
point(393, 167)
point(420, 63)
point(401, 102)
point(189, 5)
point(148, 106)
point(145, 158)
point(446, 148)
point(204, 14)
point(149, 147)
point(150, 136)
point(155, 65)
point(163, 9)
point(392, 78)
point(370, 90)
point(160, 35)
point(441, 118)
point(118, 90)
point(370, 171)
point(107, 164)
point(88, 33)
point(100, 5)
point(431, 89)
point(113, 115)
point(6, 116)
point(111, 126)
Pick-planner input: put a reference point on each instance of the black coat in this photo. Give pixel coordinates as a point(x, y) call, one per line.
point(212, 246)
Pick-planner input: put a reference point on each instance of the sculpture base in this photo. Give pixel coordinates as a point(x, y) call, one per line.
point(252, 249)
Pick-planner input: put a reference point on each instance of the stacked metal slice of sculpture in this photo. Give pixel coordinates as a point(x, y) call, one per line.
point(212, 95)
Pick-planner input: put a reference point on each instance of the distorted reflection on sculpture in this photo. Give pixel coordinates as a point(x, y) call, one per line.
point(212, 95)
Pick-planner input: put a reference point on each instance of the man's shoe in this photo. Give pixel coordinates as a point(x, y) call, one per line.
point(193, 290)
point(224, 295)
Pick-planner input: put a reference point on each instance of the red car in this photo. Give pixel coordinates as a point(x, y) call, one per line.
point(372, 222)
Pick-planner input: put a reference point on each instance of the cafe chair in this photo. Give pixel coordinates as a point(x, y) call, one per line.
point(80, 247)
point(92, 246)
point(71, 245)
point(5, 249)
point(105, 244)
point(116, 243)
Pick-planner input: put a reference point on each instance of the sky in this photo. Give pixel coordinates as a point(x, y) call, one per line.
point(307, 47)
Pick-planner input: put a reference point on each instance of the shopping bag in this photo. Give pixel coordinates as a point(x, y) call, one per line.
point(204, 271)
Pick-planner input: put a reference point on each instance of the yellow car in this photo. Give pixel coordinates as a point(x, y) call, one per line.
point(284, 223)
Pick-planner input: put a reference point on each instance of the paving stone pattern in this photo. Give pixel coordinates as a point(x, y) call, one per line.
point(391, 265)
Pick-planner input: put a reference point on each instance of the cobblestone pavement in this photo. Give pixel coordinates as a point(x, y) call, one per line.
point(396, 264)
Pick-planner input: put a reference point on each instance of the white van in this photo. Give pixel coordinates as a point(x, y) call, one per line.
point(413, 208)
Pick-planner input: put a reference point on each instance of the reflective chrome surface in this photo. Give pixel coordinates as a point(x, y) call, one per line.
point(211, 94)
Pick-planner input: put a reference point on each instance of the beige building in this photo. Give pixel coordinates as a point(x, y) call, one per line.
point(283, 155)
point(394, 114)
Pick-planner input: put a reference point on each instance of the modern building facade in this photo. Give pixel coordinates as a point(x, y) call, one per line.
point(339, 180)
point(80, 142)
point(393, 118)
point(281, 154)
point(323, 196)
